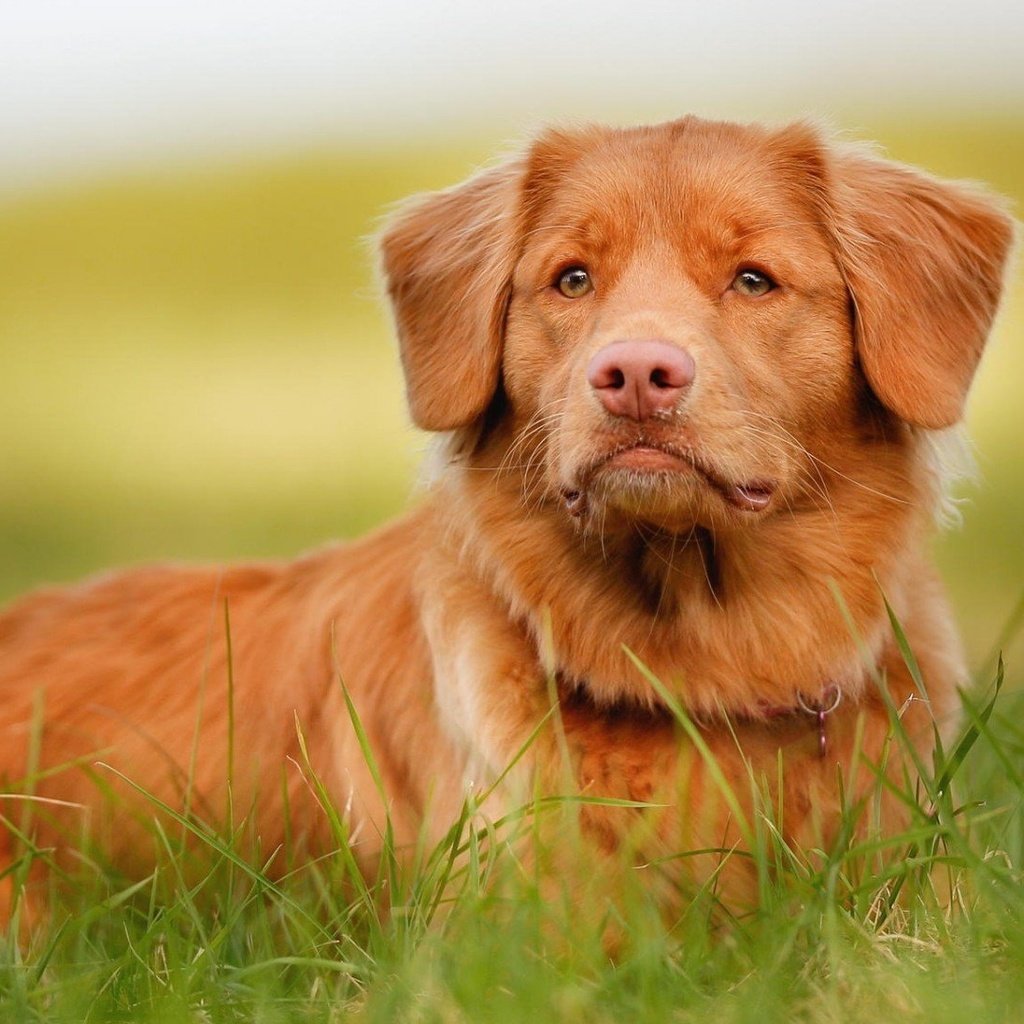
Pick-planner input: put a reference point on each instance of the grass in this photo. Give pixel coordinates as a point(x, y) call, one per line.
point(927, 924)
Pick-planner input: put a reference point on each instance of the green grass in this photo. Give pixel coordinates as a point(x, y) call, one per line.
point(927, 924)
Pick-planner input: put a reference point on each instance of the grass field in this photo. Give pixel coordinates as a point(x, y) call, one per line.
point(196, 366)
point(927, 925)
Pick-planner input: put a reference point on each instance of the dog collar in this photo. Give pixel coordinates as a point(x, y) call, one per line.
point(818, 708)
point(830, 699)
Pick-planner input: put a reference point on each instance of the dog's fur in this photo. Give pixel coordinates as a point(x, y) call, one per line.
point(550, 547)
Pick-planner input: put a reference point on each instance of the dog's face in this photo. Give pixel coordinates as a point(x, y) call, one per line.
point(681, 323)
point(678, 324)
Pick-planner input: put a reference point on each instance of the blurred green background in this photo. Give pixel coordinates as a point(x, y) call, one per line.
point(195, 362)
point(196, 365)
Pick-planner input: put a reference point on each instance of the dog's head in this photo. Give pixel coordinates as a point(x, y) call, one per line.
point(678, 323)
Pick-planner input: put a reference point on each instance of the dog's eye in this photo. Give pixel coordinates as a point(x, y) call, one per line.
point(752, 282)
point(574, 282)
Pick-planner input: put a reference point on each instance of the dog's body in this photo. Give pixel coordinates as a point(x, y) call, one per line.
point(686, 375)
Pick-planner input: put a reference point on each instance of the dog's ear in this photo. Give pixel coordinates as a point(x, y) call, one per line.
point(448, 260)
point(924, 262)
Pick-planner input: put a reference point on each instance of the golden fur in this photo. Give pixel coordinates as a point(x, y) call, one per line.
point(548, 547)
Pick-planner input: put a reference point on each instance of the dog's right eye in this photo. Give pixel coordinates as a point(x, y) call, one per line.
point(574, 282)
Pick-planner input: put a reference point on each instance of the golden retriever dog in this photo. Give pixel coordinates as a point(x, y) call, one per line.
point(685, 381)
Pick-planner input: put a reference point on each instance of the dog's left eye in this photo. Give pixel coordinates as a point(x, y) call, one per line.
point(752, 282)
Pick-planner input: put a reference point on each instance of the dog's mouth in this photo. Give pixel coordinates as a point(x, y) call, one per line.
point(645, 459)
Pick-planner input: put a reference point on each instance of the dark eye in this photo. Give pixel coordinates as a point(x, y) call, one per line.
point(752, 282)
point(574, 282)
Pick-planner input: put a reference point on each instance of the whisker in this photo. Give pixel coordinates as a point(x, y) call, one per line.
point(832, 469)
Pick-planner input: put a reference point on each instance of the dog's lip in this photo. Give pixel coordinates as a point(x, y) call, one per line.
point(647, 457)
point(754, 496)
point(653, 457)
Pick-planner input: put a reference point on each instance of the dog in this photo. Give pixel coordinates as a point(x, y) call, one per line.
point(684, 382)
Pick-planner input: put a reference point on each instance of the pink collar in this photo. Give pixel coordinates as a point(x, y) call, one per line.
point(820, 708)
point(831, 697)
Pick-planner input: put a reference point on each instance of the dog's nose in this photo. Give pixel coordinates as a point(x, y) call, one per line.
point(640, 378)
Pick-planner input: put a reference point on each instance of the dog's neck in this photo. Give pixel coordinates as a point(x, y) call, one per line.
point(757, 618)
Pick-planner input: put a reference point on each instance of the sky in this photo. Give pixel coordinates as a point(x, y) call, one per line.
point(89, 84)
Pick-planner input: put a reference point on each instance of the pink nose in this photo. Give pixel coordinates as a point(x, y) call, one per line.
point(638, 379)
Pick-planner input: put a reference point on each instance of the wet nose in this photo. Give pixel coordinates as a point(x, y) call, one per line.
point(638, 379)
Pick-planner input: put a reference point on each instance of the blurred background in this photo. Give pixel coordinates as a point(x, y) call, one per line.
point(193, 359)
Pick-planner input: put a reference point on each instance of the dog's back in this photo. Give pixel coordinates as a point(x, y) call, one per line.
point(189, 682)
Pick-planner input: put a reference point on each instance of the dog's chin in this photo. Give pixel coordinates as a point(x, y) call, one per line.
point(671, 490)
point(651, 485)
point(668, 498)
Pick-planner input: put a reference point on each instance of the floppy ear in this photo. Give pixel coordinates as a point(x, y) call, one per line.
point(448, 260)
point(924, 263)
